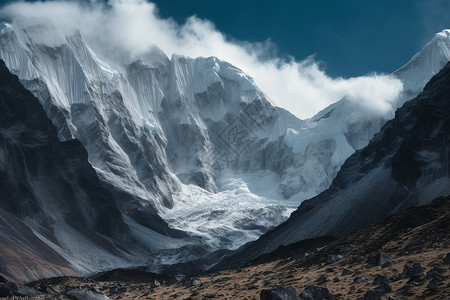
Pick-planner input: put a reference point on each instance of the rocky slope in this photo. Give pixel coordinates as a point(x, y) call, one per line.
point(405, 164)
point(414, 264)
point(404, 256)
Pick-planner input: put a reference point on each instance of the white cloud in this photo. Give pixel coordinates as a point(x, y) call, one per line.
point(130, 28)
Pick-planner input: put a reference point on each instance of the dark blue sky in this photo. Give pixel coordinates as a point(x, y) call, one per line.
point(352, 37)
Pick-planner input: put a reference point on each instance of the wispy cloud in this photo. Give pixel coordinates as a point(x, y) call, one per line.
point(132, 27)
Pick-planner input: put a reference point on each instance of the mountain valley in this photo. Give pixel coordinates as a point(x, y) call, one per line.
point(148, 176)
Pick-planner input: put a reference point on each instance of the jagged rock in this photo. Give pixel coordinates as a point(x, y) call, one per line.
point(433, 285)
point(316, 293)
point(8, 288)
point(50, 290)
point(193, 282)
point(379, 259)
point(332, 258)
point(179, 277)
point(156, 283)
point(177, 295)
point(346, 272)
point(384, 288)
point(85, 294)
point(12, 286)
point(279, 293)
point(27, 292)
point(345, 249)
point(372, 295)
point(398, 277)
point(323, 279)
point(447, 259)
point(438, 270)
point(118, 290)
point(329, 270)
point(5, 291)
point(388, 264)
point(359, 279)
point(413, 282)
point(413, 271)
point(380, 279)
point(434, 274)
point(96, 288)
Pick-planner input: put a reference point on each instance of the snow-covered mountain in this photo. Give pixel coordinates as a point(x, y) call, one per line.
point(406, 164)
point(160, 131)
point(56, 217)
point(192, 140)
point(426, 63)
point(350, 125)
point(359, 125)
point(157, 129)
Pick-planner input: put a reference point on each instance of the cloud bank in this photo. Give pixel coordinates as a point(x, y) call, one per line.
point(132, 27)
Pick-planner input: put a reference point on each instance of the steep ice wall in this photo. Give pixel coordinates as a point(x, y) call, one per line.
point(153, 122)
point(98, 106)
point(426, 63)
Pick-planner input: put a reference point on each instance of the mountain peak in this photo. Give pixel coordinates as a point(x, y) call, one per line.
point(426, 63)
point(443, 34)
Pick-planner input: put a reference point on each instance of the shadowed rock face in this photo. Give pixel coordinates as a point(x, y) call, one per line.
point(406, 164)
point(38, 171)
point(43, 183)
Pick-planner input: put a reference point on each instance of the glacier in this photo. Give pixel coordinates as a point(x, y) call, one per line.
point(191, 141)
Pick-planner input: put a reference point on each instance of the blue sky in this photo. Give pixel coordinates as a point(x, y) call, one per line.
point(353, 41)
point(352, 37)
